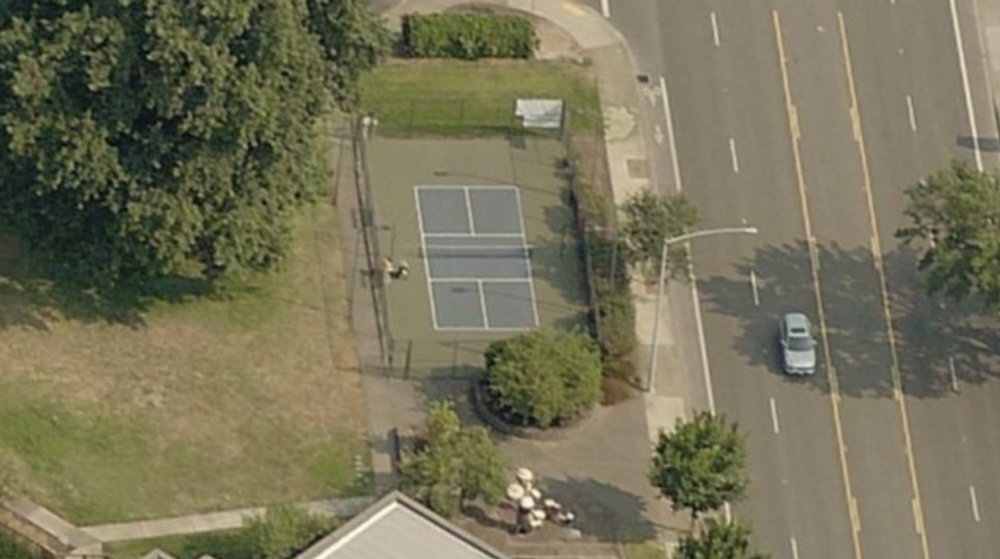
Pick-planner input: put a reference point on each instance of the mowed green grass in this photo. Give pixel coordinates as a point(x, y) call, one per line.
point(246, 397)
point(453, 97)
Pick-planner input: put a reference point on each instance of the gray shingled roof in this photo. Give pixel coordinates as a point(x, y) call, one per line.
point(397, 527)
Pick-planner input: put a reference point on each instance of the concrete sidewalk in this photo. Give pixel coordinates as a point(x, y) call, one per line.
point(226, 520)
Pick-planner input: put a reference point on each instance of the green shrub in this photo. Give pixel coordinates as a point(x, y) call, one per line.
point(544, 378)
point(468, 36)
point(11, 549)
point(612, 309)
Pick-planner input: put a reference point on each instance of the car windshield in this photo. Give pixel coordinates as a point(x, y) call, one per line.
point(799, 342)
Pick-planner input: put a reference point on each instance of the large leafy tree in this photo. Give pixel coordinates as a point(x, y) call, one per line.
point(955, 212)
point(455, 464)
point(141, 136)
point(650, 219)
point(719, 540)
point(699, 466)
point(546, 377)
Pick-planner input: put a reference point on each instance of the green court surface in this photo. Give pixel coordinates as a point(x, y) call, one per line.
point(448, 339)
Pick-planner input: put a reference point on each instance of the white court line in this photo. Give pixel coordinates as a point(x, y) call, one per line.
point(795, 548)
point(468, 235)
point(732, 154)
point(606, 8)
point(427, 266)
point(468, 210)
point(951, 371)
point(965, 85)
point(482, 305)
point(481, 329)
point(484, 280)
point(913, 115)
point(715, 28)
point(774, 417)
point(753, 286)
point(975, 503)
point(527, 257)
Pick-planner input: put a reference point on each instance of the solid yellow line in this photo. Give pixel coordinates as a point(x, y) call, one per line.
point(897, 382)
point(793, 130)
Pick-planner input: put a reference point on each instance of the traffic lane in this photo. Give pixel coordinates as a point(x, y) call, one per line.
point(796, 487)
point(943, 456)
point(747, 300)
point(959, 502)
point(907, 120)
point(695, 98)
point(637, 21)
point(850, 288)
point(951, 379)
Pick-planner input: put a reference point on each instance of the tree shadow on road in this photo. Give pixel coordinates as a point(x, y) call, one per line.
point(926, 333)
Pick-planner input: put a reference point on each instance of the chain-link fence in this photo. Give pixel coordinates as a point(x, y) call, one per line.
point(368, 225)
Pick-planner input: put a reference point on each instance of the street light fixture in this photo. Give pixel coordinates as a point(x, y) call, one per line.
point(650, 382)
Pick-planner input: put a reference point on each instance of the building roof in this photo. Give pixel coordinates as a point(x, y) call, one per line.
point(397, 527)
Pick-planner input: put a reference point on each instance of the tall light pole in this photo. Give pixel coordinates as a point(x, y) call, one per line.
point(650, 382)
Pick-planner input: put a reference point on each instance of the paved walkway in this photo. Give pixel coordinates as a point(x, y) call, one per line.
point(227, 520)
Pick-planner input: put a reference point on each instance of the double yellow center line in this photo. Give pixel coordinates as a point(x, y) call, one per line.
point(795, 133)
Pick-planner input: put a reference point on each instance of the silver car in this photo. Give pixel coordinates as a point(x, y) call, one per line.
point(798, 347)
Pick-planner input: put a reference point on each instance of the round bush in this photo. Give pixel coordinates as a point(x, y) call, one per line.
point(544, 378)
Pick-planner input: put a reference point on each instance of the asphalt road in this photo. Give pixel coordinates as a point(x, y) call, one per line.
point(891, 449)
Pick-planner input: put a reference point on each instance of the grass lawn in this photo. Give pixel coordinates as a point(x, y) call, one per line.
point(245, 397)
point(220, 545)
point(452, 97)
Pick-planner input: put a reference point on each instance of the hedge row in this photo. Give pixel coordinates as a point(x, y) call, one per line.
point(612, 308)
point(468, 36)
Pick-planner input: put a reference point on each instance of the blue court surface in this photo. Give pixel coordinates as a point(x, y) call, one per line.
point(477, 261)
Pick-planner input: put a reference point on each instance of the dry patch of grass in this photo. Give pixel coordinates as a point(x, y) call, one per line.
point(246, 396)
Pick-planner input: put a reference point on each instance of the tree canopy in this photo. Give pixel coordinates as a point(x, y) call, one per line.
point(955, 212)
point(455, 465)
point(140, 137)
point(650, 219)
point(719, 540)
point(546, 377)
point(699, 465)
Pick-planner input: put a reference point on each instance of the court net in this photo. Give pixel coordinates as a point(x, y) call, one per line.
point(519, 252)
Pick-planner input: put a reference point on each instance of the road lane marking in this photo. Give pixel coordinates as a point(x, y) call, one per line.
point(606, 8)
point(753, 286)
point(733, 156)
point(855, 516)
point(897, 382)
point(975, 503)
point(715, 27)
point(965, 85)
point(774, 417)
point(670, 133)
point(954, 377)
point(814, 265)
point(795, 548)
point(913, 114)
